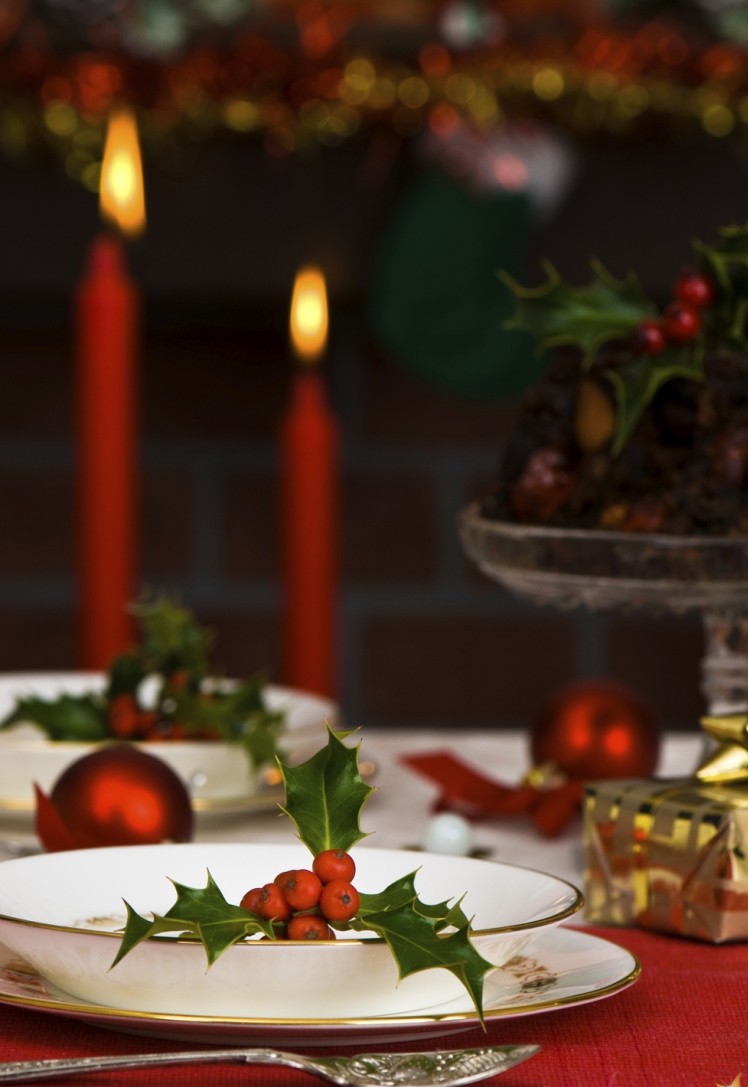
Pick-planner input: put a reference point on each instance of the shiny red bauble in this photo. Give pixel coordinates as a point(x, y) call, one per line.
point(121, 795)
point(596, 729)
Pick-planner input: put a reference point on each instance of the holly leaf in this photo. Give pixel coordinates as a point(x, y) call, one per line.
point(236, 713)
point(200, 912)
point(557, 314)
point(402, 891)
point(636, 384)
point(138, 928)
point(170, 638)
point(728, 255)
point(416, 945)
point(126, 673)
point(727, 264)
point(68, 717)
point(325, 795)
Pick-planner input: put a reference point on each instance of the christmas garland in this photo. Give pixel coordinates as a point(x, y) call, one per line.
point(294, 85)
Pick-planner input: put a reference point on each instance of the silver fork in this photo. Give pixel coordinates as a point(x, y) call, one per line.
point(449, 1068)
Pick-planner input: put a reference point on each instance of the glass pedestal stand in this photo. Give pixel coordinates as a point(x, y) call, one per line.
point(624, 572)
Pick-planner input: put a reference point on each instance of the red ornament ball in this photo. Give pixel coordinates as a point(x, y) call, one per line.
point(120, 795)
point(596, 729)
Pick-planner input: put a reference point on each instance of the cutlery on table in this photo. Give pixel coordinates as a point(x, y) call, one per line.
point(449, 1068)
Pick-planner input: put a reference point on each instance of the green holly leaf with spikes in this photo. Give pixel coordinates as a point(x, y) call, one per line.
point(728, 255)
point(556, 314)
point(636, 384)
point(198, 912)
point(325, 795)
point(401, 892)
point(417, 944)
point(726, 263)
point(69, 717)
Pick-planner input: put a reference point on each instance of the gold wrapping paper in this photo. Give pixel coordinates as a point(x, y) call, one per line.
point(673, 855)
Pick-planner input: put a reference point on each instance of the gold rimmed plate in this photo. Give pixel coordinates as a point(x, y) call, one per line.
point(564, 968)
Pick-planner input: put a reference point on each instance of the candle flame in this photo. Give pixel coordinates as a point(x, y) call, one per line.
point(309, 314)
point(121, 191)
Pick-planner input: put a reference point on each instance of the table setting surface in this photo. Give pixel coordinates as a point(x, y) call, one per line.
point(681, 1022)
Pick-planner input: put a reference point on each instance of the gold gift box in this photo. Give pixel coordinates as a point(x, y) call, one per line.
point(672, 855)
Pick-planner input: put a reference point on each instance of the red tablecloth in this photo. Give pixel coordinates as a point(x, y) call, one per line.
point(683, 1024)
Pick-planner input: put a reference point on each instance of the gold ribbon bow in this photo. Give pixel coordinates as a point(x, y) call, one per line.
point(729, 761)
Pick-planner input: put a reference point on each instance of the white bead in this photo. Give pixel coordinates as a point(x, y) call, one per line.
point(448, 832)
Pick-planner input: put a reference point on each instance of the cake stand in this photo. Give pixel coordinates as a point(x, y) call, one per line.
point(628, 571)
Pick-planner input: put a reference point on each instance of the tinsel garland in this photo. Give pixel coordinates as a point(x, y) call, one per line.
point(653, 78)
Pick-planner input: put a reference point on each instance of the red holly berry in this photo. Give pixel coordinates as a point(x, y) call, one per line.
point(649, 339)
point(339, 900)
point(309, 926)
point(694, 289)
point(251, 900)
point(301, 889)
point(272, 904)
point(681, 323)
point(334, 864)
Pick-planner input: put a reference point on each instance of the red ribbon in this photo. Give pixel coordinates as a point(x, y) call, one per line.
point(472, 794)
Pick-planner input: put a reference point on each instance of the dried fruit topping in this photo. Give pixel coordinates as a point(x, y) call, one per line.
point(543, 486)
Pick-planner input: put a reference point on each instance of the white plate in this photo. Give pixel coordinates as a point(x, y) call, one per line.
point(565, 968)
point(61, 912)
point(219, 776)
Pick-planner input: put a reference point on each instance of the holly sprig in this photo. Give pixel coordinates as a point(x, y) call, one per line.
point(587, 317)
point(324, 798)
point(173, 651)
point(608, 311)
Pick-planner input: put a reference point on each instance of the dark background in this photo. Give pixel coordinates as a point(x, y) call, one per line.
point(426, 640)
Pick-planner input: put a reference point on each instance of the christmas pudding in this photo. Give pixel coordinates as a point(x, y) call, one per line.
point(641, 423)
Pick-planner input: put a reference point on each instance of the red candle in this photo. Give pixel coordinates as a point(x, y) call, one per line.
point(309, 444)
point(107, 333)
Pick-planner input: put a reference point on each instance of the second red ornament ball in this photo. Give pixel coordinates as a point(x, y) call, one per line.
point(596, 728)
